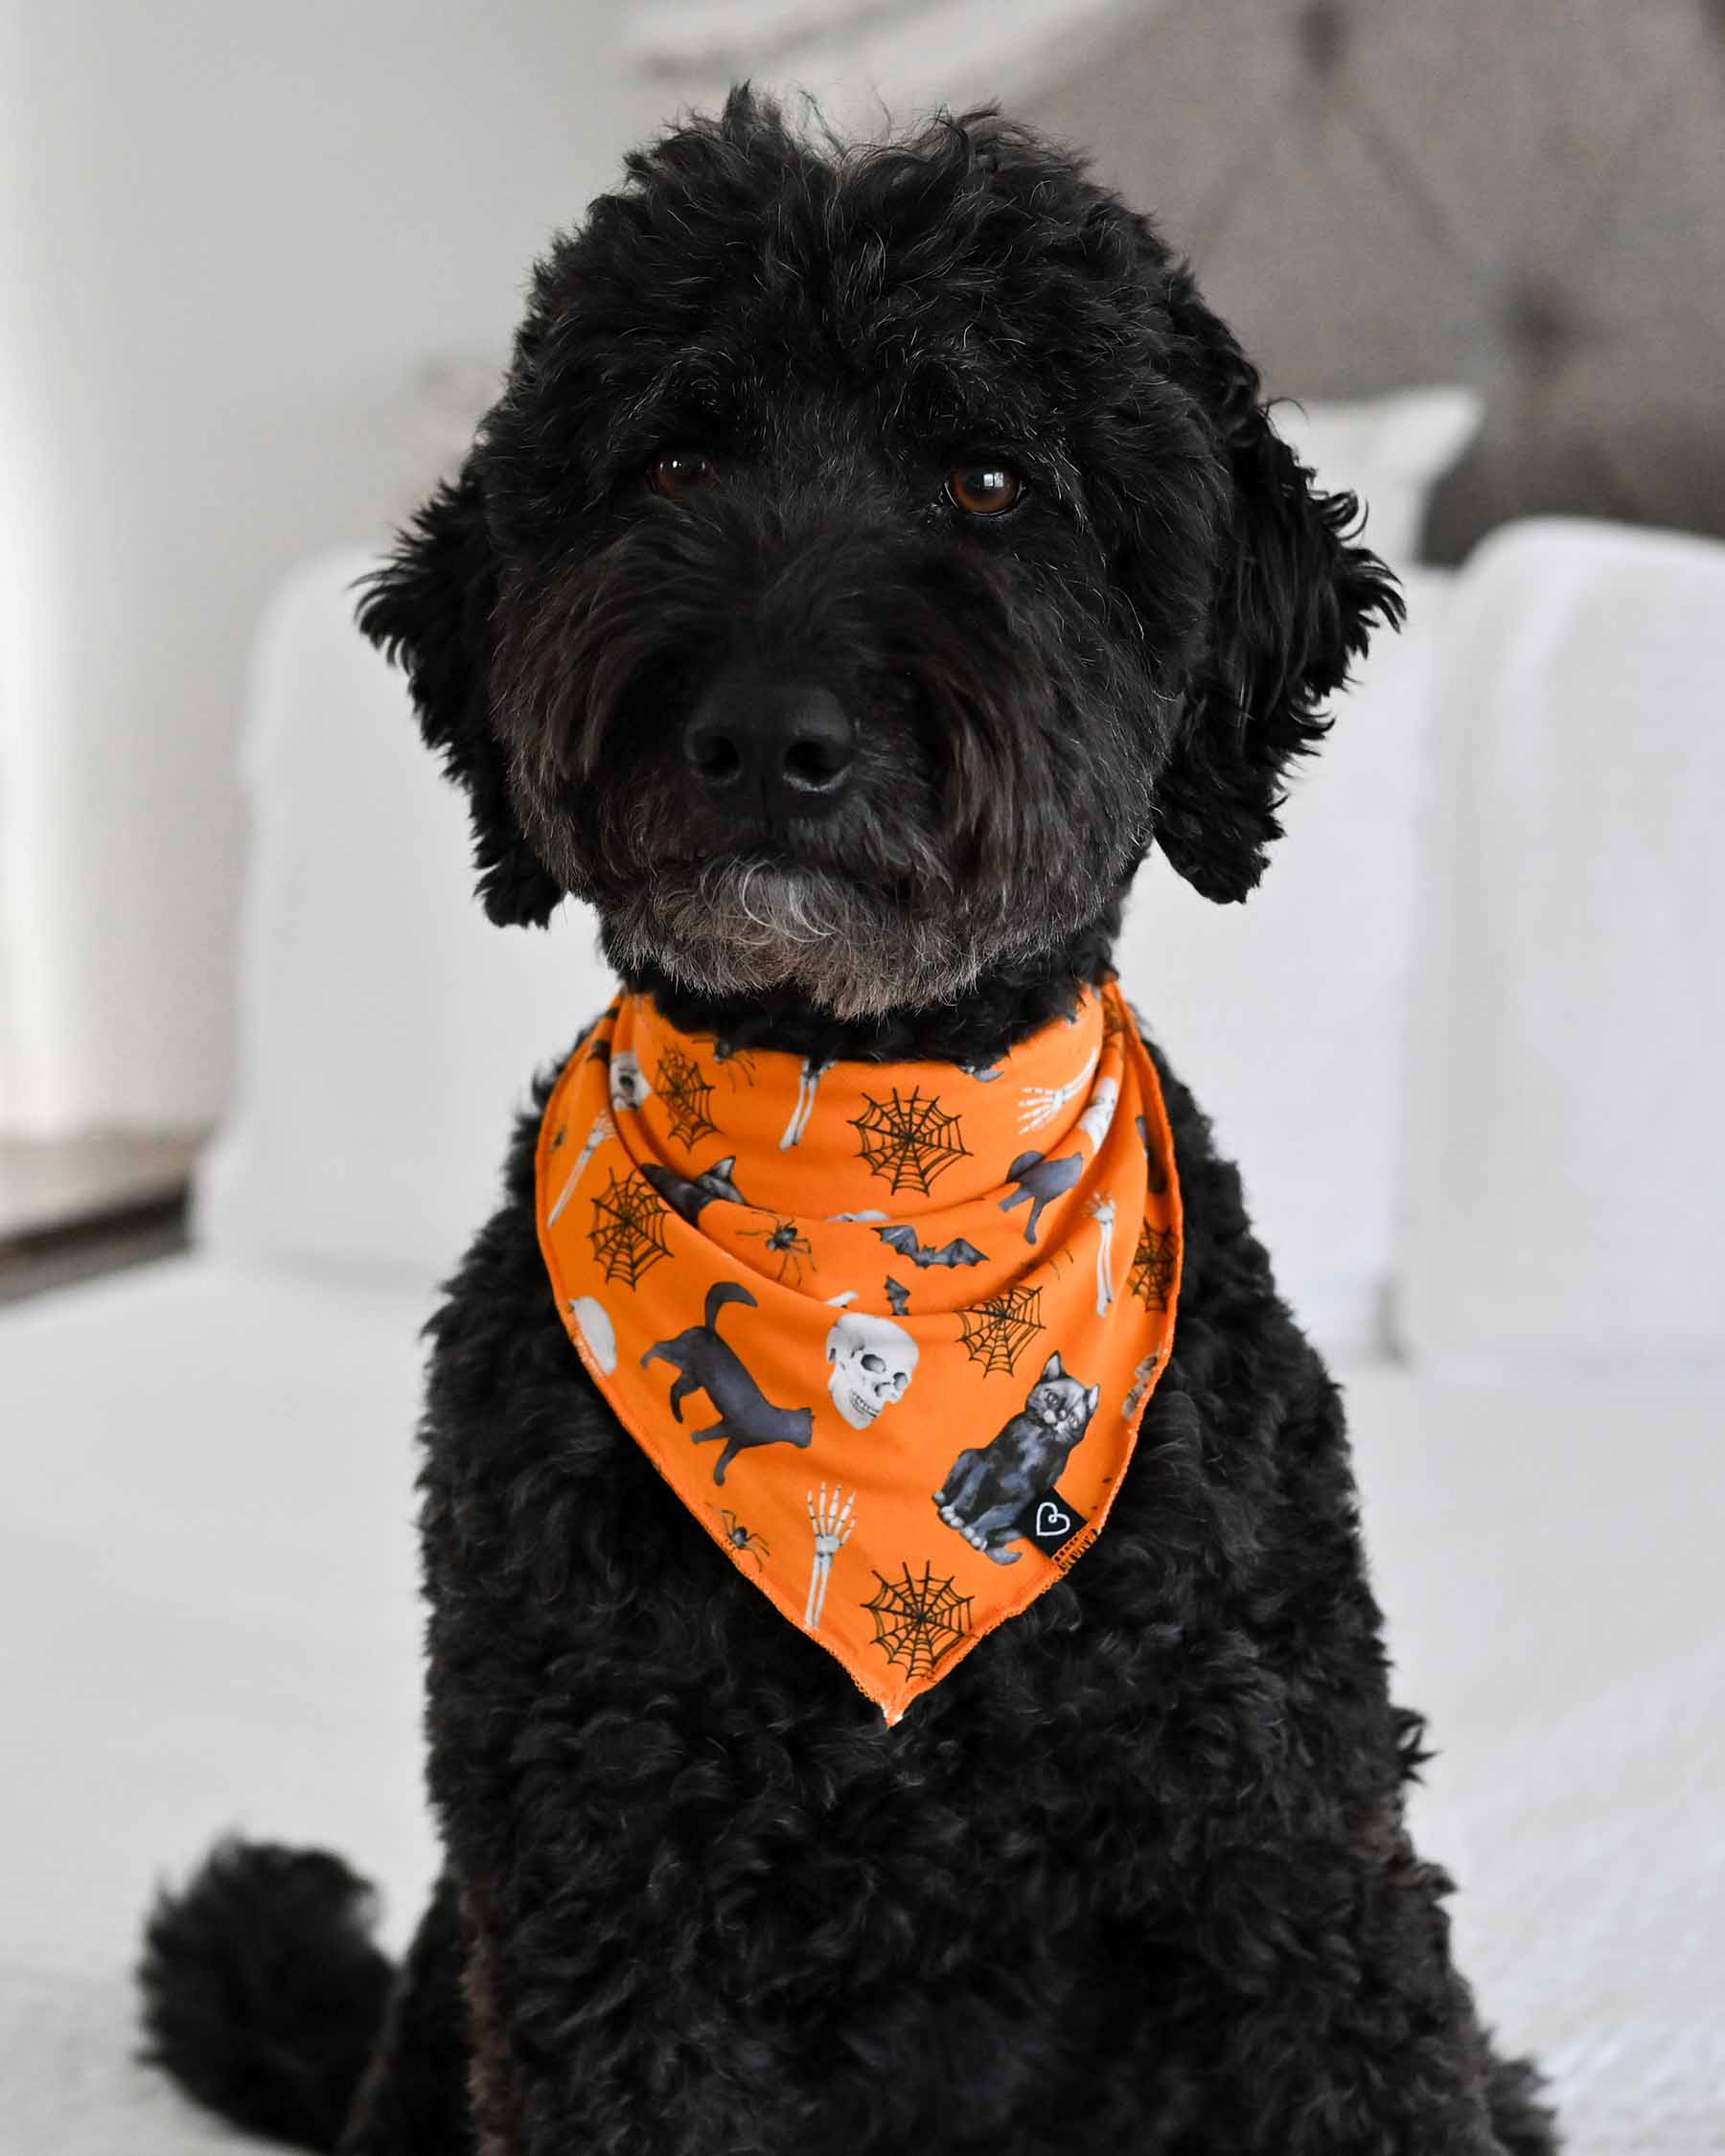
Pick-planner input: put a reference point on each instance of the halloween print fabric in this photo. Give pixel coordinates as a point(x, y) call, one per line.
point(886, 1329)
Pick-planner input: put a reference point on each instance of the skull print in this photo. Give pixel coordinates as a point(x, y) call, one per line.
point(630, 1085)
point(872, 1361)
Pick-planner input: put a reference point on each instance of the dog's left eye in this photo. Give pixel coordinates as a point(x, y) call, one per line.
point(983, 489)
point(679, 472)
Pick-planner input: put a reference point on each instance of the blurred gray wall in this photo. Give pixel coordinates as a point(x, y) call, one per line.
point(1529, 198)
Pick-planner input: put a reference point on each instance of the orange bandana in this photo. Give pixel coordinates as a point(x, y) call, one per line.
point(886, 1329)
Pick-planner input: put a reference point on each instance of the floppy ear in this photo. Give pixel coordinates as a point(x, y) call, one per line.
point(429, 607)
point(1292, 606)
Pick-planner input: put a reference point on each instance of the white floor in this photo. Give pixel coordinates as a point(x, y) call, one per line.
point(207, 1594)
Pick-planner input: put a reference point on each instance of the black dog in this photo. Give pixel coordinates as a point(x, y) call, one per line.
point(704, 1362)
point(872, 554)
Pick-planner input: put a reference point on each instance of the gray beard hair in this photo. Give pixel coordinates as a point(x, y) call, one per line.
point(729, 927)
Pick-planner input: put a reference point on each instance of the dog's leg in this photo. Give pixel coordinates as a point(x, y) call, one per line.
point(679, 1392)
point(1353, 2037)
point(413, 2101)
point(493, 2084)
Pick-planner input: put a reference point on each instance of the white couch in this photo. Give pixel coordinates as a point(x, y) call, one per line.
point(1460, 1041)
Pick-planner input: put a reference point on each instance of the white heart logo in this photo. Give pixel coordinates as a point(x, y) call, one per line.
point(1050, 1520)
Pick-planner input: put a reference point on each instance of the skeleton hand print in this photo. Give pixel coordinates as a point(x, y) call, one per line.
point(1099, 1110)
point(808, 1084)
point(1041, 1104)
point(1102, 1212)
point(1141, 1385)
point(873, 1362)
point(832, 1528)
point(603, 1129)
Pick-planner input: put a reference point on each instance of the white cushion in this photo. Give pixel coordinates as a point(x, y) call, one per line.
point(1389, 450)
point(211, 1493)
point(1560, 1621)
point(1287, 1015)
point(1567, 1148)
point(387, 1030)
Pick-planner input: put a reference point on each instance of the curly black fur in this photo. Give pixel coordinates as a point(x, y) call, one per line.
point(1135, 1878)
point(263, 1992)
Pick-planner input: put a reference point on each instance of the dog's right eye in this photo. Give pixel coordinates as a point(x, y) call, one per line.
point(681, 472)
point(985, 488)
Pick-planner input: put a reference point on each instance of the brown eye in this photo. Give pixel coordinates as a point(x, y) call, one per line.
point(983, 489)
point(679, 472)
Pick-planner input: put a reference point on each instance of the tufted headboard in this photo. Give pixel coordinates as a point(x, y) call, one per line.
point(1527, 195)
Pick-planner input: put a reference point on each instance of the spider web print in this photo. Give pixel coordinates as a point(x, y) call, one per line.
point(997, 1332)
point(1152, 1275)
point(628, 1233)
point(909, 1139)
point(918, 1620)
point(685, 1090)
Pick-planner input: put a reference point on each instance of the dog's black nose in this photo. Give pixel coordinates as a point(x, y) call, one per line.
point(784, 745)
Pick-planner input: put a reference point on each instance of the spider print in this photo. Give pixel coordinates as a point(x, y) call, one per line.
point(786, 1241)
point(737, 1064)
point(741, 1537)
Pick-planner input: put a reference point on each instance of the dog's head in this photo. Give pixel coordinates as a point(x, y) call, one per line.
point(872, 553)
